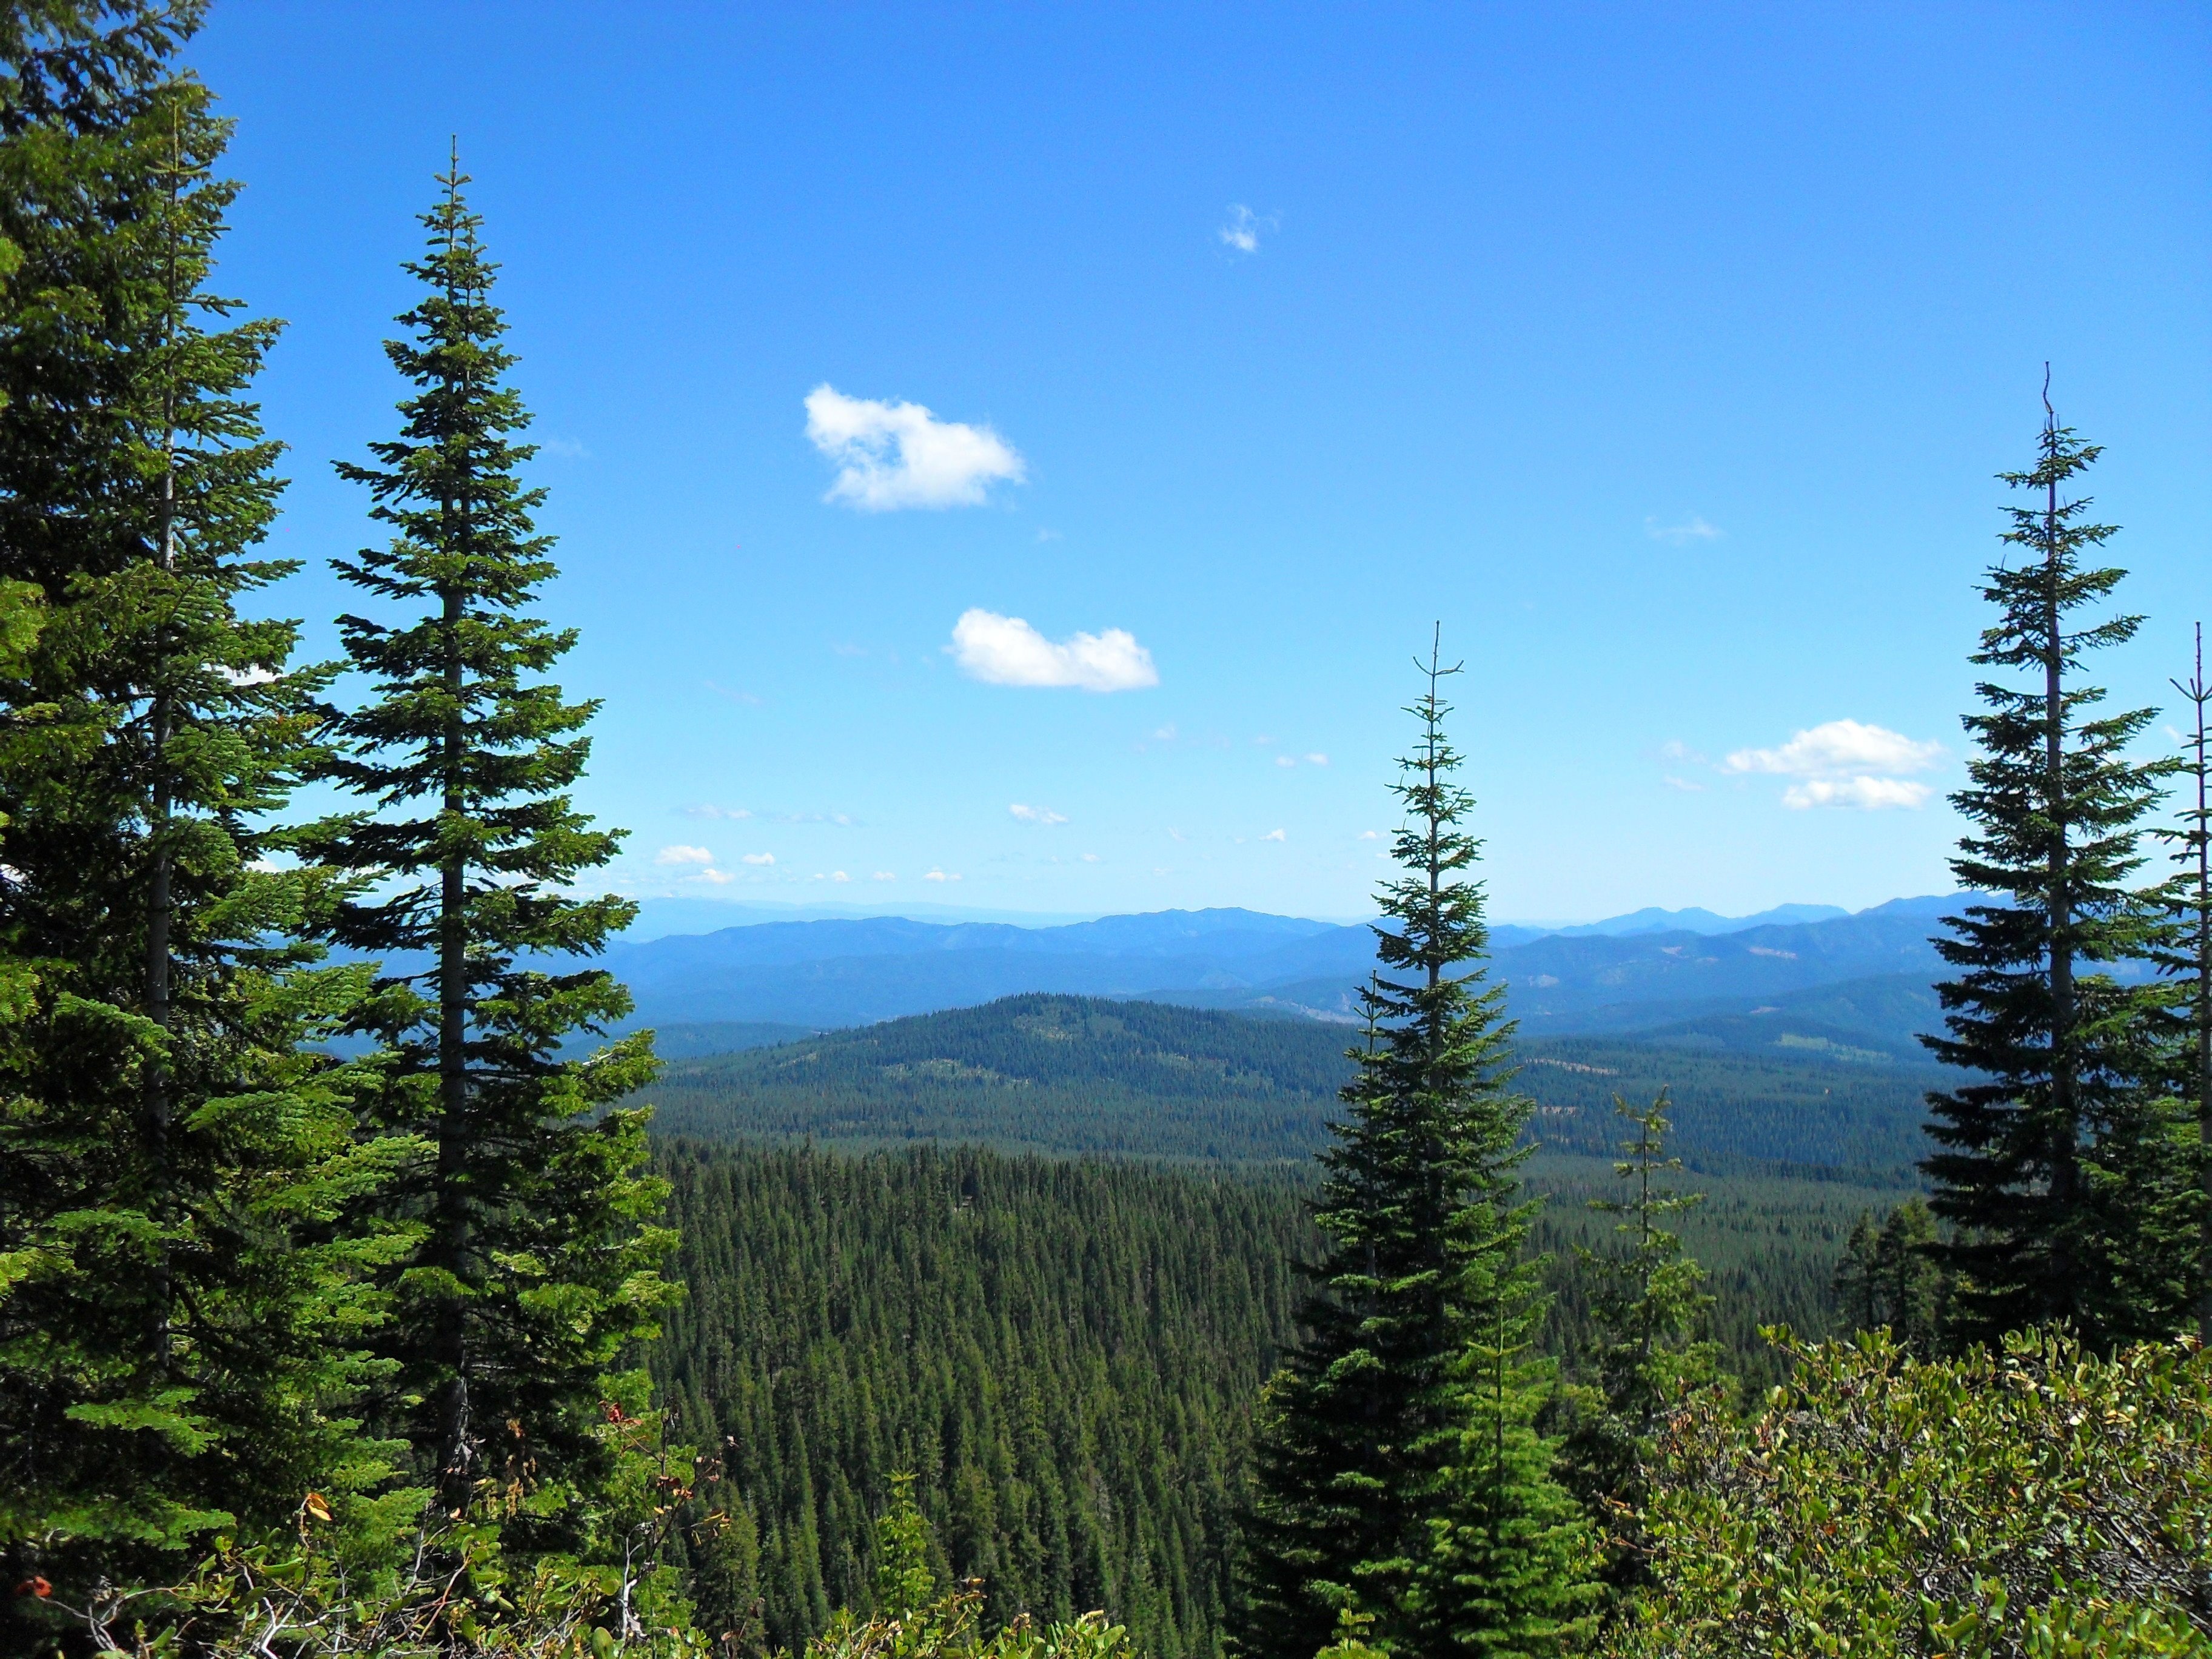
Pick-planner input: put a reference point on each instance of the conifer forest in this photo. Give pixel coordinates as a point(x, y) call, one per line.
point(368, 1284)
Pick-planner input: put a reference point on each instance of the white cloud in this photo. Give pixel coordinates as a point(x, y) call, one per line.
point(1869, 794)
point(891, 455)
point(1692, 529)
point(1007, 651)
point(939, 875)
point(1286, 760)
point(839, 875)
point(757, 857)
point(1316, 760)
point(243, 678)
point(1369, 834)
point(1036, 814)
point(1837, 747)
point(1683, 784)
point(683, 855)
point(1845, 763)
point(1244, 228)
point(1274, 835)
point(1166, 734)
point(720, 878)
point(1090, 858)
point(885, 875)
point(709, 811)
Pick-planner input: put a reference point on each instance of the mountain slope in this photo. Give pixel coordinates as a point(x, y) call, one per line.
point(1067, 1075)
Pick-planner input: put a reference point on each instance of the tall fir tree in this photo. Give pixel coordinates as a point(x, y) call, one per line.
point(1886, 1280)
point(1402, 1480)
point(2058, 1167)
point(2187, 958)
point(177, 1309)
point(537, 1264)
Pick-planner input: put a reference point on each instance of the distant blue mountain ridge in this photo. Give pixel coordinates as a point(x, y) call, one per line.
point(1647, 970)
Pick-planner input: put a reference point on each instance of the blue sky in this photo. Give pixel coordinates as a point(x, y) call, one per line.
point(1663, 353)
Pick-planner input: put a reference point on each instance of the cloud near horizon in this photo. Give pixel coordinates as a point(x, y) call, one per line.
point(894, 455)
point(683, 855)
point(1006, 651)
point(1845, 763)
point(1036, 814)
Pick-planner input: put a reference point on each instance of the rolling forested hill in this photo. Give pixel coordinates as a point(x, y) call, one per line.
point(1072, 1075)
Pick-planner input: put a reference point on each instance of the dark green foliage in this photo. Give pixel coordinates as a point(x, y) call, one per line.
point(1399, 1469)
point(1888, 1279)
point(2058, 1166)
point(2187, 957)
point(534, 1263)
point(1648, 1348)
point(178, 1321)
point(1064, 1354)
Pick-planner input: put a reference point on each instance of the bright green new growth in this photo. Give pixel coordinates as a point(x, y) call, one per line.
point(535, 1260)
point(1401, 1475)
point(906, 1578)
point(180, 1318)
point(2058, 1167)
point(2026, 1504)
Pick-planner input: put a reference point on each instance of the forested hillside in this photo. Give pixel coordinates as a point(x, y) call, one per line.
point(1078, 1075)
point(1065, 1353)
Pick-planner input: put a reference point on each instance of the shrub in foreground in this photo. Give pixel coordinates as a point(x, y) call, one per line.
point(2034, 1502)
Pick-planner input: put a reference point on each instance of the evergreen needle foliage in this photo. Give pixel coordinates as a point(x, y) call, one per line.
point(533, 1261)
point(1888, 1280)
point(2058, 1166)
point(178, 1317)
point(1401, 1475)
point(1648, 1311)
point(2188, 958)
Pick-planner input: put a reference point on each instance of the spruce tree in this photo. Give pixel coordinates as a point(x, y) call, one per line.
point(177, 1311)
point(1887, 1279)
point(2187, 958)
point(2057, 1162)
point(536, 1265)
point(1647, 1348)
point(1400, 1476)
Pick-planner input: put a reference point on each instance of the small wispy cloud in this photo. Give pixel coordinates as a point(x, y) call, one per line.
point(1369, 834)
point(1316, 760)
point(683, 855)
point(1286, 760)
point(1090, 858)
point(1006, 651)
point(756, 858)
point(1274, 835)
point(1849, 763)
point(1684, 784)
point(1036, 814)
point(1868, 794)
point(566, 449)
point(710, 811)
point(1165, 733)
point(885, 875)
point(1692, 529)
point(1244, 227)
point(718, 878)
point(1838, 746)
point(940, 875)
point(894, 455)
